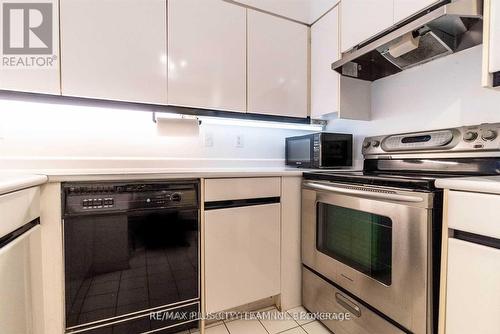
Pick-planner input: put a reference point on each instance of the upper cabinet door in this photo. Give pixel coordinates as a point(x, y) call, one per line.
point(277, 66)
point(494, 37)
point(30, 64)
point(115, 50)
point(403, 9)
point(207, 54)
point(325, 50)
point(363, 19)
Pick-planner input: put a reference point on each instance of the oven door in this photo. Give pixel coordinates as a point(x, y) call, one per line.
point(373, 242)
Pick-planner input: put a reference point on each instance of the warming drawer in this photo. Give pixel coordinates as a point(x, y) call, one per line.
point(320, 296)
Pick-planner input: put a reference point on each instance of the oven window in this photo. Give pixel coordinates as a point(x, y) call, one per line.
point(361, 240)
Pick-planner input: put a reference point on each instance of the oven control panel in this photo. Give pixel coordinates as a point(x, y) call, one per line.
point(475, 138)
point(82, 198)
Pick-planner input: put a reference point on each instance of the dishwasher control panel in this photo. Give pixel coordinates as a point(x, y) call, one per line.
point(82, 198)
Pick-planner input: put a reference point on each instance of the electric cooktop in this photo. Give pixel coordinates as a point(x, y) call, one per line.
point(410, 181)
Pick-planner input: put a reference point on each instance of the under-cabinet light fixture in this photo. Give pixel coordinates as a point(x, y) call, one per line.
point(247, 123)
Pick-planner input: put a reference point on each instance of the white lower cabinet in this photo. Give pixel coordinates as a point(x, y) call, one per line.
point(473, 289)
point(242, 255)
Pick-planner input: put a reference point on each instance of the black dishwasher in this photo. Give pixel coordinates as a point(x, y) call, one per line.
point(131, 255)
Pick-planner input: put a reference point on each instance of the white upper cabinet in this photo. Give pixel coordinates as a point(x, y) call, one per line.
point(207, 54)
point(363, 19)
point(331, 93)
point(324, 51)
point(31, 64)
point(403, 9)
point(277, 66)
point(114, 50)
point(306, 11)
point(494, 37)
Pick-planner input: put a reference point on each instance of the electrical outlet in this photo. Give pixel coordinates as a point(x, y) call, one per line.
point(209, 140)
point(239, 141)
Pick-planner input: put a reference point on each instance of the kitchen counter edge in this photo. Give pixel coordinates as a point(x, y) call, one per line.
point(11, 182)
point(480, 184)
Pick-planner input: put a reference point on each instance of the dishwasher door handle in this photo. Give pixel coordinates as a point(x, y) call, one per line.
point(354, 191)
point(348, 305)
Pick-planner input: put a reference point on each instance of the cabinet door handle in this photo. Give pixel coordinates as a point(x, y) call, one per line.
point(348, 305)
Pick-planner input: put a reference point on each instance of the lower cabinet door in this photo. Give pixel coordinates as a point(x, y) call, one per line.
point(473, 289)
point(242, 255)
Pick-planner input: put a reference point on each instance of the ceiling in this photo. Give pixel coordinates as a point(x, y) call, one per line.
point(306, 11)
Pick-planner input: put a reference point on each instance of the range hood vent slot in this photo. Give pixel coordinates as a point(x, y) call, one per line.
point(445, 30)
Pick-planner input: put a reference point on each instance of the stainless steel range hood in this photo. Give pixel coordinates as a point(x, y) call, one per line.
point(438, 32)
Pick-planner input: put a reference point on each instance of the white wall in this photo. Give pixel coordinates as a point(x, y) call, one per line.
point(444, 93)
point(46, 136)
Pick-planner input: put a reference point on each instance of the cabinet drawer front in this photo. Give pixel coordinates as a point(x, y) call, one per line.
point(474, 213)
point(19, 208)
point(241, 188)
point(242, 255)
point(321, 296)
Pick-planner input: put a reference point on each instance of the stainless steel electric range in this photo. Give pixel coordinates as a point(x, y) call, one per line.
point(371, 239)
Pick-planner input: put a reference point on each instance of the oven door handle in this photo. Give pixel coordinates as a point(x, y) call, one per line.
point(363, 193)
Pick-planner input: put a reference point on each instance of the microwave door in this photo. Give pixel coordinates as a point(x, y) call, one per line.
point(299, 151)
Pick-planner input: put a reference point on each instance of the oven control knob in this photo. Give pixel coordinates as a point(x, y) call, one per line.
point(375, 143)
point(470, 136)
point(176, 197)
point(489, 135)
point(366, 144)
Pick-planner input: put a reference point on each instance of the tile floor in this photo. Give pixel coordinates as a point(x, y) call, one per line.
point(286, 326)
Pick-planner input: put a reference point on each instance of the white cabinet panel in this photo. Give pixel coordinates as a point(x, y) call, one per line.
point(22, 72)
point(277, 66)
point(207, 54)
point(306, 11)
point(242, 255)
point(463, 209)
point(494, 38)
point(19, 283)
point(363, 19)
point(114, 49)
point(331, 93)
point(325, 51)
point(406, 8)
point(241, 188)
point(473, 292)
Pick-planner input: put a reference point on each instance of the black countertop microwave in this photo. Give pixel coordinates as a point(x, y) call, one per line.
point(319, 150)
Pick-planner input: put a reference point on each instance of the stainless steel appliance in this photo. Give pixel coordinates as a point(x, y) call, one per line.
point(371, 239)
point(130, 249)
point(319, 150)
point(441, 29)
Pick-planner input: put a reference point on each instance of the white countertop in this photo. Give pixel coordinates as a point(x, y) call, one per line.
point(112, 174)
point(482, 184)
point(12, 182)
